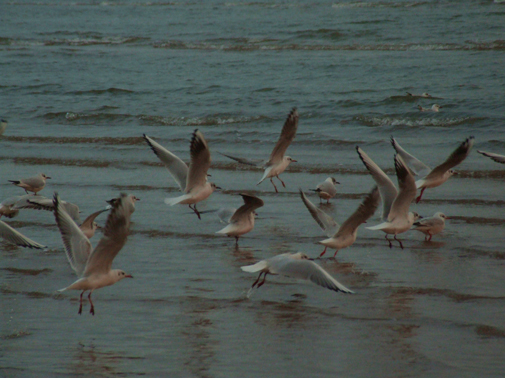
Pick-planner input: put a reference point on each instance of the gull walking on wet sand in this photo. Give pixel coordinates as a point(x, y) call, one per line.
point(326, 189)
point(396, 203)
point(93, 266)
point(345, 235)
point(242, 221)
point(32, 184)
point(296, 265)
point(277, 163)
point(431, 178)
point(197, 187)
point(431, 226)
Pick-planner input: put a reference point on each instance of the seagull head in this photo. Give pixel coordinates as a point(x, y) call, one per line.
point(289, 159)
point(334, 181)
point(44, 176)
point(119, 274)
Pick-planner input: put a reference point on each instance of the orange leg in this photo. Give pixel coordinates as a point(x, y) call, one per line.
point(272, 181)
point(323, 251)
point(420, 195)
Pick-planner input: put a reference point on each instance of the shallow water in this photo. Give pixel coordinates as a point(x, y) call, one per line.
point(82, 81)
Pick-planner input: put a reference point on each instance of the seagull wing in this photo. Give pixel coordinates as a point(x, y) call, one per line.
point(307, 270)
point(365, 210)
point(408, 190)
point(253, 162)
point(287, 135)
point(495, 157)
point(117, 228)
point(43, 203)
point(77, 245)
point(416, 165)
point(457, 157)
point(88, 222)
point(16, 237)
point(200, 161)
point(327, 223)
point(176, 167)
point(251, 203)
point(387, 189)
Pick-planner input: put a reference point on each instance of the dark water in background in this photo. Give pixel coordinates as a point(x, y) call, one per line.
point(82, 81)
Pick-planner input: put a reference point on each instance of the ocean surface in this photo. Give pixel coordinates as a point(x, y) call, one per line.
point(82, 81)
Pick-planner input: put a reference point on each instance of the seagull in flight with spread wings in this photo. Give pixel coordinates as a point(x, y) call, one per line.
point(342, 236)
point(277, 163)
point(432, 178)
point(193, 180)
point(93, 266)
point(396, 203)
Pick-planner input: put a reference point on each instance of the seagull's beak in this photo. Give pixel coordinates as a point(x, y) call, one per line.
point(218, 188)
point(98, 227)
point(47, 177)
point(128, 276)
point(446, 217)
point(294, 161)
point(337, 182)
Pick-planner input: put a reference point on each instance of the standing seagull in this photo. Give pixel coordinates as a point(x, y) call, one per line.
point(242, 221)
point(93, 266)
point(197, 187)
point(432, 178)
point(431, 226)
point(15, 237)
point(32, 184)
point(345, 235)
point(326, 189)
point(495, 157)
point(296, 265)
point(395, 212)
point(277, 163)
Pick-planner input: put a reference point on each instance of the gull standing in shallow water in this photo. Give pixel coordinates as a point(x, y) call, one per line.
point(197, 187)
point(93, 266)
point(242, 221)
point(3, 126)
point(431, 178)
point(277, 163)
point(32, 184)
point(345, 235)
point(431, 226)
point(296, 265)
point(495, 157)
point(326, 189)
point(395, 211)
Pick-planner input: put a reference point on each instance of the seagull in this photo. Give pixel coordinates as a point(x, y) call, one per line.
point(432, 178)
point(495, 157)
point(345, 235)
point(176, 167)
point(395, 212)
point(423, 95)
point(242, 221)
point(197, 187)
point(277, 163)
point(131, 203)
point(3, 126)
point(6, 207)
point(37, 202)
point(431, 226)
point(434, 108)
point(89, 226)
point(295, 265)
point(32, 184)
point(326, 189)
point(13, 236)
point(93, 266)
